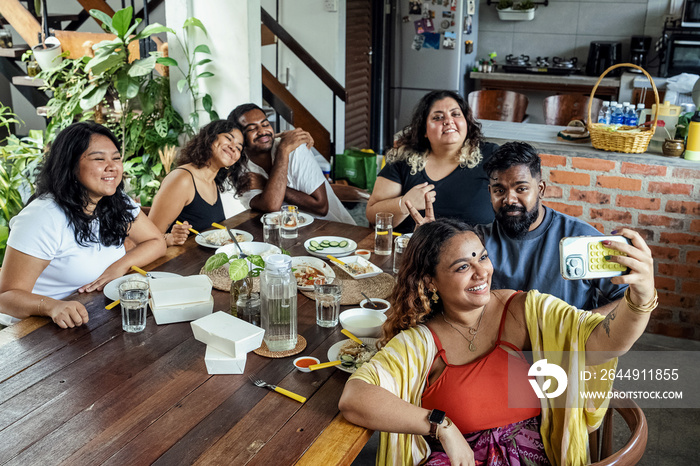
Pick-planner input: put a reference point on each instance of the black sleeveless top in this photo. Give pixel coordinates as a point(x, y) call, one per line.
point(199, 212)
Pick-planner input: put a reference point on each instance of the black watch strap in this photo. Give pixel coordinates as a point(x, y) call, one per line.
point(435, 418)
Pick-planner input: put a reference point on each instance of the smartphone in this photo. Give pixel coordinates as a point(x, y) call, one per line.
point(583, 257)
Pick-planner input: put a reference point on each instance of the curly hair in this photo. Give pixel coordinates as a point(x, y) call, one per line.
point(413, 145)
point(198, 152)
point(59, 179)
point(410, 303)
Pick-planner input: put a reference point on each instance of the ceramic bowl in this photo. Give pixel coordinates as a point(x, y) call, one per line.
point(362, 323)
point(366, 253)
point(305, 367)
point(364, 304)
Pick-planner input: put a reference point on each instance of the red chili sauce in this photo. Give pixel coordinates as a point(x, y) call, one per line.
point(306, 362)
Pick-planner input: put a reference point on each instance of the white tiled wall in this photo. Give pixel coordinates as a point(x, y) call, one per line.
point(565, 28)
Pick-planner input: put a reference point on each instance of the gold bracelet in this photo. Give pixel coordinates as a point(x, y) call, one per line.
point(647, 308)
point(38, 307)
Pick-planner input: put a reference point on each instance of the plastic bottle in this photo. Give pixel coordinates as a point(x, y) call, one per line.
point(631, 118)
point(692, 147)
point(617, 117)
point(604, 113)
point(278, 313)
point(640, 109)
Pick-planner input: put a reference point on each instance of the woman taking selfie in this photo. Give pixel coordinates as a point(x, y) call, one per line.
point(71, 235)
point(452, 370)
point(208, 165)
point(441, 153)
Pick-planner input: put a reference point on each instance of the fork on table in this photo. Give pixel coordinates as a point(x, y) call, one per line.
point(277, 389)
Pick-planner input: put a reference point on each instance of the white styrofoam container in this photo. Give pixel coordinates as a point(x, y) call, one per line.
point(170, 291)
point(228, 334)
point(182, 312)
point(221, 363)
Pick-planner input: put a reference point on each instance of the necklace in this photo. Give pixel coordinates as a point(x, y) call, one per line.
point(472, 331)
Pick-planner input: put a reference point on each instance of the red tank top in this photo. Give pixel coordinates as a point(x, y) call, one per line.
point(476, 395)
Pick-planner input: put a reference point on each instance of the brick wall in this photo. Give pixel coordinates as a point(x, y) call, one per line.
point(661, 202)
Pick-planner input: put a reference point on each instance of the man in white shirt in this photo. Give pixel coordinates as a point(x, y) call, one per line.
point(283, 170)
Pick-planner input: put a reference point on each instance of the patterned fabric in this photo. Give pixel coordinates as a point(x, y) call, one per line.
point(515, 444)
point(403, 365)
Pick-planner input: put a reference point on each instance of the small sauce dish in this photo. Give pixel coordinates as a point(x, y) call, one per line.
point(302, 363)
point(382, 305)
point(364, 253)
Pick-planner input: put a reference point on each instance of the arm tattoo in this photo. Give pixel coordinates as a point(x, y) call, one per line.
point(606, 322)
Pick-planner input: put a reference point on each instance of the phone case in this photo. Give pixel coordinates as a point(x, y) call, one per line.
point(583, 257)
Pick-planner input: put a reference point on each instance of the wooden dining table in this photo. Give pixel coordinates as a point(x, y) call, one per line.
point(95, 394)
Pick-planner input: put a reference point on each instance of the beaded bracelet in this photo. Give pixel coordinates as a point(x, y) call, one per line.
point(647, 308)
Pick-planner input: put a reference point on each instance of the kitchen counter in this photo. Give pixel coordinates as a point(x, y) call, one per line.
point(544, 138)
point(572, 84)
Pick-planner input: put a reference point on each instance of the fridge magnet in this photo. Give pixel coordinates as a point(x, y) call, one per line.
point(445, 24)
point(428, 25)
point(447, 14)
point(468, 20)
point(445, 2)
point(453, 5)
point(415, 7)
point(449, 41)
point(468, 46)
point(432, 40)
point(418, 24)
point(417, 42)
point(406, 19)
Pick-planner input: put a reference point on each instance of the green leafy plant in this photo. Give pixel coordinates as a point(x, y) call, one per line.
point(238, 269)
point(524, 5)
point(503, 4)
point(190, 82)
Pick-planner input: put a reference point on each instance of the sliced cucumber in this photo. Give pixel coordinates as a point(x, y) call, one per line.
point(333, 244)
point(343, 244)
point(325, 244)
point(312, 249)
point(313, 243)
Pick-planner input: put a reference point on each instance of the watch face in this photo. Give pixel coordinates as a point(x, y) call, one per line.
point(436, 416)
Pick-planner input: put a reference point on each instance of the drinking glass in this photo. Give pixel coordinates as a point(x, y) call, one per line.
point(289, 221)
point(133, 297)
point(271, 229)
point(248, 308)
point(383, 233)
point(327, 304)
point(400, 245)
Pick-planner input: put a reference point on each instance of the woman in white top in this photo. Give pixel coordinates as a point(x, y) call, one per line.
point(71, 235)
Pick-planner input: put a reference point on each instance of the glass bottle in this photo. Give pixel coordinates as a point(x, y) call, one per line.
point(33, 68)
point(238, 288)
point(5, 38)
point(278, 313)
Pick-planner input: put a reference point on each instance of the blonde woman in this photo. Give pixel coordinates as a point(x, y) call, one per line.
point(442, 153)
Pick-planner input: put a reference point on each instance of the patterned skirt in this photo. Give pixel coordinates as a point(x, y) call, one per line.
point(515, 444)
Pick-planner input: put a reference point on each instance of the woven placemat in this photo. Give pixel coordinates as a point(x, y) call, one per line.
point(374, 287)
point(221, 281)
point(265, 352)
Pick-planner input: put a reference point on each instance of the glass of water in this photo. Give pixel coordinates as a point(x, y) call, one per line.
point(289, 221)
point(133, 297)
point(383, 231)
point(271, 229)
point(400, 245)
point(327, 304)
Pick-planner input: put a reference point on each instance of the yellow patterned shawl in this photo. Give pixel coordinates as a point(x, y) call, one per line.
point(402, 368)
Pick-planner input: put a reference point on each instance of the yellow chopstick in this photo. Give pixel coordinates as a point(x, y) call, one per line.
point(351, 336)
point(382, 233)
point(291, 395)
point(112, 305)
point(191, 229)
point(323, 365)
point(139, 270)
point(337, 261)
point(216, 225)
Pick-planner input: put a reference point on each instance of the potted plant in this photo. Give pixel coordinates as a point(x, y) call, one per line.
point(672, 146)
point(241, 272)
point(521, 11)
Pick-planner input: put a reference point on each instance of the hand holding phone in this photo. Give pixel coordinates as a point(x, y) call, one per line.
point(583, 257)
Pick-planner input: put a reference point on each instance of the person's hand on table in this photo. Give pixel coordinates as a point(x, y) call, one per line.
point(640, 264)
point(178, 234)
point(429, 212)
point(113, 272)
point(66, 314)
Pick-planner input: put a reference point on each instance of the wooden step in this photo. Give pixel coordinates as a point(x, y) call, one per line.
point(52, 18)
point(14, 52)
point(27, 81)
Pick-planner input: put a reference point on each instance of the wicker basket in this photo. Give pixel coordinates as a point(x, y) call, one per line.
point(615, 141)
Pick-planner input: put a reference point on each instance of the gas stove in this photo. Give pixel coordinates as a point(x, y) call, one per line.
point(541, 65)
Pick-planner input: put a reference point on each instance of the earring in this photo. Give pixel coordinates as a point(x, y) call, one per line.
point(435, 298)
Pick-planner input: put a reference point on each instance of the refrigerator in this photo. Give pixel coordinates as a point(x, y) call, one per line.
point(417, 67)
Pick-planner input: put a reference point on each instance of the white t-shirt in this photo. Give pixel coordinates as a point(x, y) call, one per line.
point(303, 174)
point(41, 230)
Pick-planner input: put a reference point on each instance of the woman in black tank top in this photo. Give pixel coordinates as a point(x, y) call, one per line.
point(212, 162)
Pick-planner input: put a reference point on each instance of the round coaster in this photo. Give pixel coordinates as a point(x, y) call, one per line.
point(221, 281)
point(374, 287)
point(263, 351)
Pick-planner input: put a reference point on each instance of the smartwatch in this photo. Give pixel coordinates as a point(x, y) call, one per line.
point(435, 418)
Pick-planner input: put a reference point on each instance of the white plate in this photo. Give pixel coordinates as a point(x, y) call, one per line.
point(334, 350)
point(111, 289)
point(304, 219)
point(361, 261)
point(220, 237)
point(337, 252)
point(318, 264)
point(250, 248)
